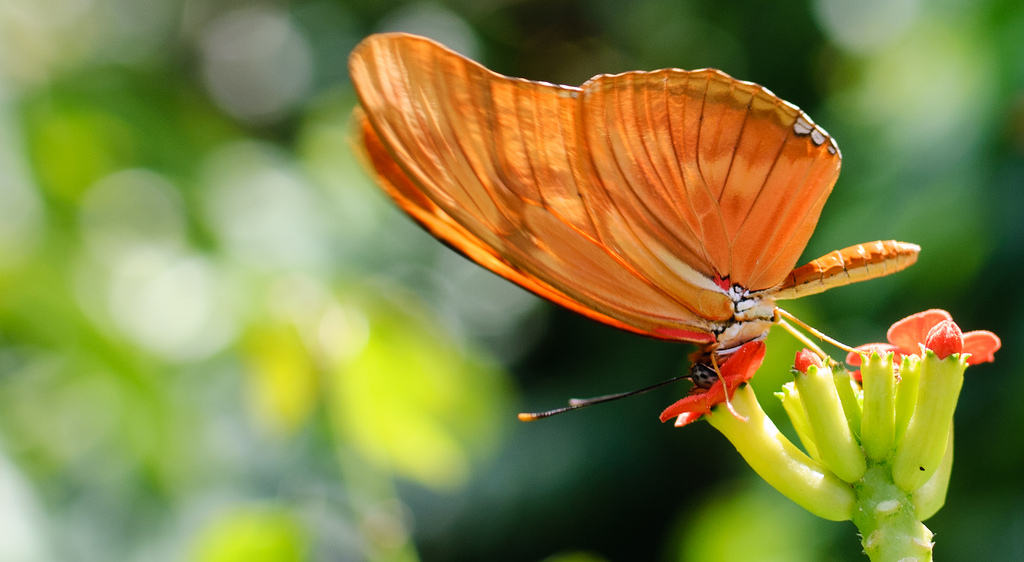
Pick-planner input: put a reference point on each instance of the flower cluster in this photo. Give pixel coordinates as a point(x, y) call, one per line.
point(877, 447)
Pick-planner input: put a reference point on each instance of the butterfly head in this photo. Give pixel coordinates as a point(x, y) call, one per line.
point(703, 375)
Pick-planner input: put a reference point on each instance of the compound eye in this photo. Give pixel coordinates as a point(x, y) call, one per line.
point(703, 375)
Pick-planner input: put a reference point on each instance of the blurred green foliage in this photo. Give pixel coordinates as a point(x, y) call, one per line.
point(414, 404)
point(252, 535)
point(787, 536)
point(219, 341)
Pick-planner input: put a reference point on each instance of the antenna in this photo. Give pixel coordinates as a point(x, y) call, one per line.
point(577, 403)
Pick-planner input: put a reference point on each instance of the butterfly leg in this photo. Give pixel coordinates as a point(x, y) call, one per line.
point(728, 400)
point(778, 319)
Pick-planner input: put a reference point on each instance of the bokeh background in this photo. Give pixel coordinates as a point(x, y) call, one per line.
point(219, 342)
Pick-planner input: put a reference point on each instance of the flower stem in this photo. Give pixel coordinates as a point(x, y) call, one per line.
point(887, 519)
point(778, 461)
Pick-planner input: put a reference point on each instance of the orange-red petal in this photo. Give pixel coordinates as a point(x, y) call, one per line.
point(738, 369)
point(982, 345)
point(909, 333)
point(687, 418)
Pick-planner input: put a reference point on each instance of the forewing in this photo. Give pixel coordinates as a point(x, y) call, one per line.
point(495, 167)
point(709, 169)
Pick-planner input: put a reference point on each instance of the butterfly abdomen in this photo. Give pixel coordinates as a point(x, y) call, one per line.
point(849, 265)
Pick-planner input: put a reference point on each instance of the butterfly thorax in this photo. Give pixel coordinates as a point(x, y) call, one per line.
point(753, 315)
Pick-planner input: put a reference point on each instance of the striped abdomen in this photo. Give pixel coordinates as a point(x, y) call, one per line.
point(849, 265)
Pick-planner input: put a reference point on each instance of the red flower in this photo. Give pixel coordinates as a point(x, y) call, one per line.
point(804, 359)
point(739, 368)
point(935, 330)
point(945, 339)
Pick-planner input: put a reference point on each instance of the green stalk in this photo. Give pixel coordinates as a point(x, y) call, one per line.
point(887, 520)
point(778, 461)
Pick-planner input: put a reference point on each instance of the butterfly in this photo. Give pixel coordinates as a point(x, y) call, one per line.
point(672, 203)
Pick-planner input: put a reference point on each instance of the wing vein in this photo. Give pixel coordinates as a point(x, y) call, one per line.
point(522, 140)
point(682, 176)
point(441, 78)
point(760, 189)
point(616, 254)
point(781, 219)
point(631, 155)
point(736, 147)
point(795, 232)
point(406, 118)
point(704, 182)
point(443, 150)
point(667, 184)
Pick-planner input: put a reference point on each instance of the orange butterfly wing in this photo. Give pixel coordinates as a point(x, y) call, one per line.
point(627, 200)
point(716, 172)
point(410, 199)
